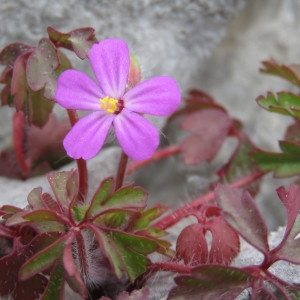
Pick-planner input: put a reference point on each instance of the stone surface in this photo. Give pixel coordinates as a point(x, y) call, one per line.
point(179, 38)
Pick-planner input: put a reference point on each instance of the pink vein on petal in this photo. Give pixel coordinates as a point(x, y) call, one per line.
point(88, 135)
point(158, 96)
point(75, 90)
point(137, 137)
point(110, 61)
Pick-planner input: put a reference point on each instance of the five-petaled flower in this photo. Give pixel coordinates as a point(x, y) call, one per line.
point(113, 102)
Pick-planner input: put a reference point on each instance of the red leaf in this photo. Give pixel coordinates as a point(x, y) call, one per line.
point(225, 244)
point(241, 213)
point(192, 245)
point(10, 53)
point(10, 265)
point(291, 201)
point(210, 128)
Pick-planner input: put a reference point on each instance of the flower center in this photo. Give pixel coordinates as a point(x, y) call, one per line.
point(109, 104)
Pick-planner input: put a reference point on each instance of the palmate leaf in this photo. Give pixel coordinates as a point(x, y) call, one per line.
point(283, 164)
point(64, 185)
point(209, 129)
point(241, 213)
point(149, 215)
point(30, 287)
point(193, 247)
point(288, 72)
point(55, 286)
point(44, 66)
point(127, 197)
point(285, 103)
point(289, 247)
point(80, 40)
point(210, 282)
point(32, 102)
point(126, 252)
point(44, 258)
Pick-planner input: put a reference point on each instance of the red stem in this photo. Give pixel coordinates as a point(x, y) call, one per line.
point(159, 154)
point(183, 211)
point(121, 170)
point(170, 266)
point(81, 163)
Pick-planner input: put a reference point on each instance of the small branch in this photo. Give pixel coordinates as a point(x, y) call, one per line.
point(81, 163)
point(121, 170)
point(158, 155)
point(170, 266)
point(183, 211)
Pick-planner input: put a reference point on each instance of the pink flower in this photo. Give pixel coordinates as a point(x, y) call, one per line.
point(113, 104)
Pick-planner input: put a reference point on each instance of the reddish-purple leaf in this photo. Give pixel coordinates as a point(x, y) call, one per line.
point(291, 201)
point(80, 40)
point(288, 249)
point(34, 105)
point(225, 244)
point(196, 100)
point(40, 67)
point(209, 128)
point(50, 203)
point(34, 199)
point(10, 53)
point(211, 282)
point(241, 213)
point(142, 294)
point(19, 88)
point(292, 133)
point(192, 246)
point(10, 265)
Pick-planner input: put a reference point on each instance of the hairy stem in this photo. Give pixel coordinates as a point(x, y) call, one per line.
point(170, 266)
point(81, 163)
point(159, 154)
point(121, 170)
point(183, 211)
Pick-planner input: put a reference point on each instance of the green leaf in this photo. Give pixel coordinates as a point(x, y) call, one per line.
point(43, 259)
point(210, 282)
point(58, 182)
point(105, 189)
point(283, 164)
point(79, 212)
point(148, 216)
point(34, 198)
point(126, 197)
point(55, 286)
point(40, 107)
point(288, 72)
point(126, 252)
point(284, 103)
point(43, 215)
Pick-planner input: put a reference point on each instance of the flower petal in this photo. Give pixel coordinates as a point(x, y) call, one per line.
point(137, 137)
point(110, 62)
point(75, 90)
point(88, 135)
point(159, 96)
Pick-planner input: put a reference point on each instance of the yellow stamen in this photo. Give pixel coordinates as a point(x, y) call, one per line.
point(109, 104)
